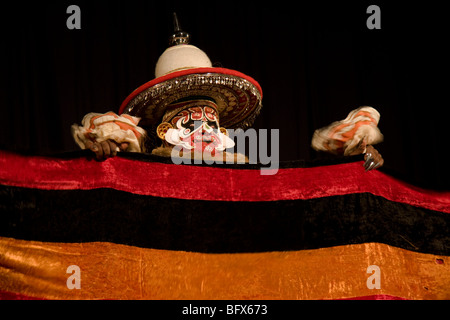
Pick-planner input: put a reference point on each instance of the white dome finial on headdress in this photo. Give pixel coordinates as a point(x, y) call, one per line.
point(181, 55)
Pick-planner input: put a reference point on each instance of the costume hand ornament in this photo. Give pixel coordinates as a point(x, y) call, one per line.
point(352, 135)
point(373, 159)
point(106, 149)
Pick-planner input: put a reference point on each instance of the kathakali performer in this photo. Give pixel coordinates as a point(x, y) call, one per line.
point(191, 104)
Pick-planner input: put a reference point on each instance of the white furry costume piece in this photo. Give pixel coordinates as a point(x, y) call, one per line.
point(343, 137)
point(99, 127)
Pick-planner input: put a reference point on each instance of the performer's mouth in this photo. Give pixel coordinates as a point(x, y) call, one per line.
point(204, 139)
point(204, 142)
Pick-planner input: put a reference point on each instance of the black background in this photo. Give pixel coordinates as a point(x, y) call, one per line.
point(316, 61)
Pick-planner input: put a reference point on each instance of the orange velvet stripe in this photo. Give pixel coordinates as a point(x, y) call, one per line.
point(113, 271)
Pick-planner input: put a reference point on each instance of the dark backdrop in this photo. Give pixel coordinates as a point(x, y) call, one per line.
point(315, 61)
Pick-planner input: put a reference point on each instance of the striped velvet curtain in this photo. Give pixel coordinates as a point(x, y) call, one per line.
point(139, 227)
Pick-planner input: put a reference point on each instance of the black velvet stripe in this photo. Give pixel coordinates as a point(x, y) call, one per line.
point(219, 227)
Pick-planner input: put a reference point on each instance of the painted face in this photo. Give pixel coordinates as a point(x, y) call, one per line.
point(187, 118)
point(197, 128)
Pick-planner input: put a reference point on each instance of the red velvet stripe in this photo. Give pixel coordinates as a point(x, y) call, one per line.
point(5, 295)
point(211, 183)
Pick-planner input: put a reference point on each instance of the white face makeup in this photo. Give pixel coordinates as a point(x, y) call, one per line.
point(197, 128)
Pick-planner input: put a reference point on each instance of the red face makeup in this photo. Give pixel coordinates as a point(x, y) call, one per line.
point(196, 127)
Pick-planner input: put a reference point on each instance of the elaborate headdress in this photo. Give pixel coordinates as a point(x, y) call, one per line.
point(183, 71)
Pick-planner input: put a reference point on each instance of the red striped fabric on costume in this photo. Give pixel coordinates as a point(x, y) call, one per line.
point(343, 137)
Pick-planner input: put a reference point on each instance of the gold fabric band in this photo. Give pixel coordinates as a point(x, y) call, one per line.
point(114, 271)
